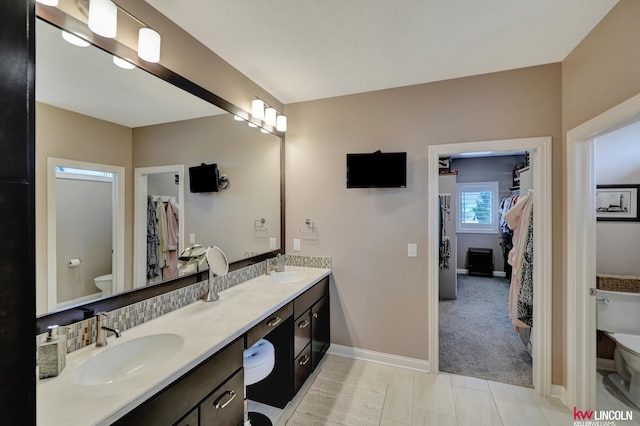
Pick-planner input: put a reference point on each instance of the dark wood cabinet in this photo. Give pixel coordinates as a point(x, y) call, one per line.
point(320, 328)
point(225, 406)
point(480, 261)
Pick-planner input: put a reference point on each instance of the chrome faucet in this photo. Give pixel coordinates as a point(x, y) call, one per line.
point(101, 329)
point(278, 267)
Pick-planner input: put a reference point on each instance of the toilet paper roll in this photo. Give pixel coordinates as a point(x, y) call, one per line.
point(74, 262)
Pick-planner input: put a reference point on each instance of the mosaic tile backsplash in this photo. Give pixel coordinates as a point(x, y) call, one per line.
point(83, 333)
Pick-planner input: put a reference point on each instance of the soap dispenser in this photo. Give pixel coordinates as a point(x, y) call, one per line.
point(52, 354)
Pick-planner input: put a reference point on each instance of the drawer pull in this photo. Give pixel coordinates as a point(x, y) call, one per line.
point(304, 360)
point(315, 315)
point(217, 404)
point(304, 324)
point(274, 321)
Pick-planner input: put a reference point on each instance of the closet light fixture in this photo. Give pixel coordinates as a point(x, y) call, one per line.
point(74, 39)
point(48, 2)
point(103, 18)
point(123, 63)
point(149, 45)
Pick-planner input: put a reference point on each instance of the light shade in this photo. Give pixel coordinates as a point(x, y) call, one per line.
point(74, 39)
point(252, 124)
point(103, 18)
point(281, 123)
point(148, 45)
point(238, 118)
point(123, 63)
point(48, 2)
point(270, 116)
point(257, 109)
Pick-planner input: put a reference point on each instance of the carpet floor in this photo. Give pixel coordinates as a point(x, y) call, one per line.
point(477, 337)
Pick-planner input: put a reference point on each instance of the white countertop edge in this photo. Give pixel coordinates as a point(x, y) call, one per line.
point(57, 413)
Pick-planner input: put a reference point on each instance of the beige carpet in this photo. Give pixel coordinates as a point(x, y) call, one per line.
point(339, 399)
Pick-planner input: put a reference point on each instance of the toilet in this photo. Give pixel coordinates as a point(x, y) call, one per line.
point(258, 362)
point(104, 283)
point(618, 315)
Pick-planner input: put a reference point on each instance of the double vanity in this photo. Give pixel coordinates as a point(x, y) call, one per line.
point(185, 367)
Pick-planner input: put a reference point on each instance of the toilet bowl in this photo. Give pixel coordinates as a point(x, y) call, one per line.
point(104, 283)
point(618, 315)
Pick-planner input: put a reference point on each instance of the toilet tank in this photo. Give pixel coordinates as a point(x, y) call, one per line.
point(621, 314)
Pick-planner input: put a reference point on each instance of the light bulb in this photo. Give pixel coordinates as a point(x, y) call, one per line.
point(281, 123)
point(257, 109)
point(149, 45)
point(270, 116)
point(103, 18)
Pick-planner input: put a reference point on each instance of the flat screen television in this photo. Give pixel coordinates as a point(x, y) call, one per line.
point(204, 178)
point(377, 170)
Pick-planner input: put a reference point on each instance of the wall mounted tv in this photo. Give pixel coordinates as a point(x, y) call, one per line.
point(204, 178)
point(377, 170)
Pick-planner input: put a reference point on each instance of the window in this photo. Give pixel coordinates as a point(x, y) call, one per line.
point(477, 207)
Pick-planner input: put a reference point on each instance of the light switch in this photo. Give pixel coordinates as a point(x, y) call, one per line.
point(272, 243)
point(296, 244)
point(192, 238)
point(412, 250)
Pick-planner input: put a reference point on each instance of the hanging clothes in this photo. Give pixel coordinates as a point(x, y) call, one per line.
point(518, 219)
point(173, 238)
point(445, 241)
point(163, 252)
point(525, 294)
point(153, 265)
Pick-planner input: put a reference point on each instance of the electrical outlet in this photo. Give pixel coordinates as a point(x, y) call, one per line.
point(272, 243)
point(412, 250)
point(192, 238)
point(296, 244)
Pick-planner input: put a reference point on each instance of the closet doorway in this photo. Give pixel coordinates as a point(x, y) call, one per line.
point(478, 290)
point(540, 157)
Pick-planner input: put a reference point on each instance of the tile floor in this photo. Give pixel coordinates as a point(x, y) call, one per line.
point(415, 398)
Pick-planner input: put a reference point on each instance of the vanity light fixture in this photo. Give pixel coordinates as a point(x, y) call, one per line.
point(237, 118)
point(263, 111)
point(48, 2)
point(264, 130)
point(74, 39)
point(149, 45)
point(103, 18)
point(252, 124)
point(123, 63)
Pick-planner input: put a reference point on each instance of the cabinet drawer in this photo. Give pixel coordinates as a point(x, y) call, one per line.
point(177, 399)
point(302, 332)
point(269, 324)
point(225, 406)
point(309, 297)
point(302, 367)
point(190, 420)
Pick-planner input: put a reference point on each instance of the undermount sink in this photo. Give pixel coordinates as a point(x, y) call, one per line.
point(128, 359)
point(286, 277)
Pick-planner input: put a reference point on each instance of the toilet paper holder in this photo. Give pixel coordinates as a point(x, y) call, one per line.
point(74, 263)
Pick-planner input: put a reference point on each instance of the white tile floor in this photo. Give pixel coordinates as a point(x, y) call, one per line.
point(415, 398)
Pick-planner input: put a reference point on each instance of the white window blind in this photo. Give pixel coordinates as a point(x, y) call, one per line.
point(477, 207)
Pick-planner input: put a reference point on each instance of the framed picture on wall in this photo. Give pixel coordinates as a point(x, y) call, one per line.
point(617, 203)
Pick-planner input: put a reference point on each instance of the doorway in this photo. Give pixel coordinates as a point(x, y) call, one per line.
point(580, 236)
point(540, 152)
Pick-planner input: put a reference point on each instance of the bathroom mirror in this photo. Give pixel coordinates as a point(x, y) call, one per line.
point(134, 120)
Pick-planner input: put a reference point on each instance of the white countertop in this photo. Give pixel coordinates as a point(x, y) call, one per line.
point(205, 327)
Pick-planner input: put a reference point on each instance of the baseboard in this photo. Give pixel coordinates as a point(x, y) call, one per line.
point(495, 273)
point(379, 357)
point(606, 364)
point(560, 392)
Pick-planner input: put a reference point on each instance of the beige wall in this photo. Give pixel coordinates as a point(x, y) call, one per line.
point(65, 134)
point(380, 295)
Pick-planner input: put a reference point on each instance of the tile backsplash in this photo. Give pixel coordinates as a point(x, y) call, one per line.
point(83, 333)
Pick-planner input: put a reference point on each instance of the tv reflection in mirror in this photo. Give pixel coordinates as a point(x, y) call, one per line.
point(377, 170)
point(204, 178)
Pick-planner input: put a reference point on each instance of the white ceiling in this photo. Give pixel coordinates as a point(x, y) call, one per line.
point(302, 50)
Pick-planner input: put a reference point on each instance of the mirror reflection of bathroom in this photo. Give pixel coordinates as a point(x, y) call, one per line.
point(480, 332)
point(617, 173)
point(83, 244)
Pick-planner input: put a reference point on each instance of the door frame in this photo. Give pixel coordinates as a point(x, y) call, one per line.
point(540, 155)
point(580, 255)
